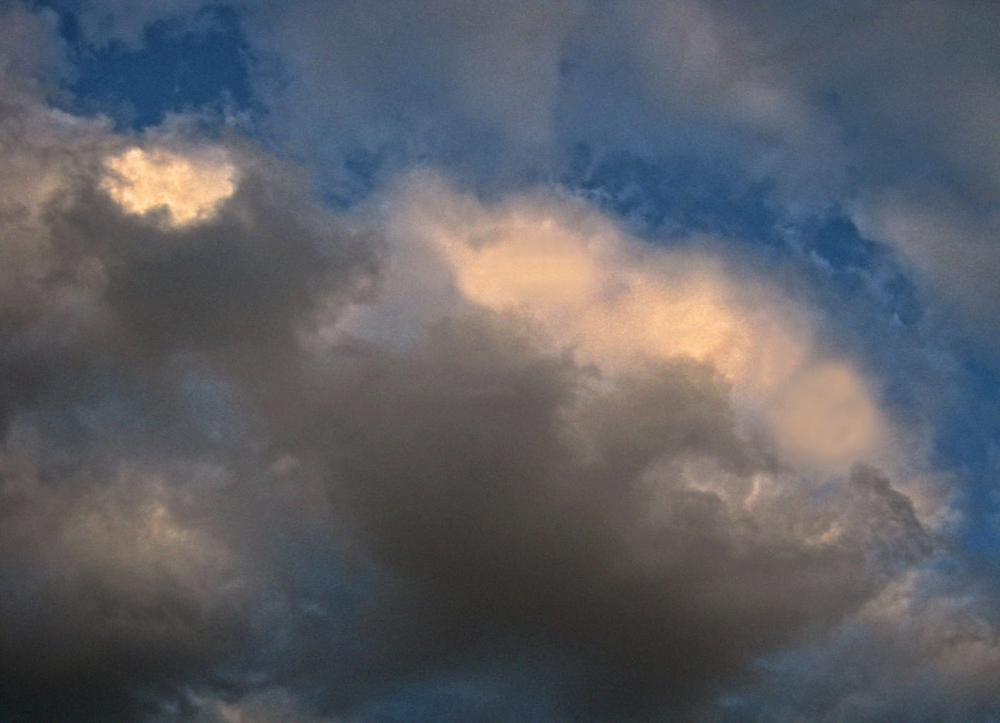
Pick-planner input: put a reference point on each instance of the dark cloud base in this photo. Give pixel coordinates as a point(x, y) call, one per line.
point(505, 502)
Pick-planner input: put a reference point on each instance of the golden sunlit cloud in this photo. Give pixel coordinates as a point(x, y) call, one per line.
point(189, 189)
point(586, 285)
point(583, 284)
point(827, 412)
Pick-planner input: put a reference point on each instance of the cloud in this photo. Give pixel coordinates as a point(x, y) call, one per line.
point(260, 708)
point(582, 285)
point(141, 181)
point(951, 246)
point(921, 650)
point(541, 484)
point(627, 531)
point(113, 592)
point(128, 448)
point(266, 461)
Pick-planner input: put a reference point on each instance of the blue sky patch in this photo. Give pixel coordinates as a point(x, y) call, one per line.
point(201, 64)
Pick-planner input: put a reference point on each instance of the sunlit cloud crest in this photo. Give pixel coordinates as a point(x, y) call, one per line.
point(583, 284)
point(188, 188)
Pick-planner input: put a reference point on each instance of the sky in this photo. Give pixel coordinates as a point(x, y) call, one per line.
point(557, 361)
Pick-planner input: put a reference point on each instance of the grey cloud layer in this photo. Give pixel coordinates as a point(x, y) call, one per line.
point(126, 488)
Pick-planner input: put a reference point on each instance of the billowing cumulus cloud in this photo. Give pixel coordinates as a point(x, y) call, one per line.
point(394, 407)
point(134, 269)
point(141, 181)
point(582, 285)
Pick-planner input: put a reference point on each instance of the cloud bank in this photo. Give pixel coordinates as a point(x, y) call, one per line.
point(391, 411)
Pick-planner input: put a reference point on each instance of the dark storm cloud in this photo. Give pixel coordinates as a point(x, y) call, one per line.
point(98, 612)
point(127, 490)
point(524, 517)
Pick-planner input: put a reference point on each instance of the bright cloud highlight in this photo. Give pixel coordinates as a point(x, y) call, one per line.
point(188, 189)
point(583, 285)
